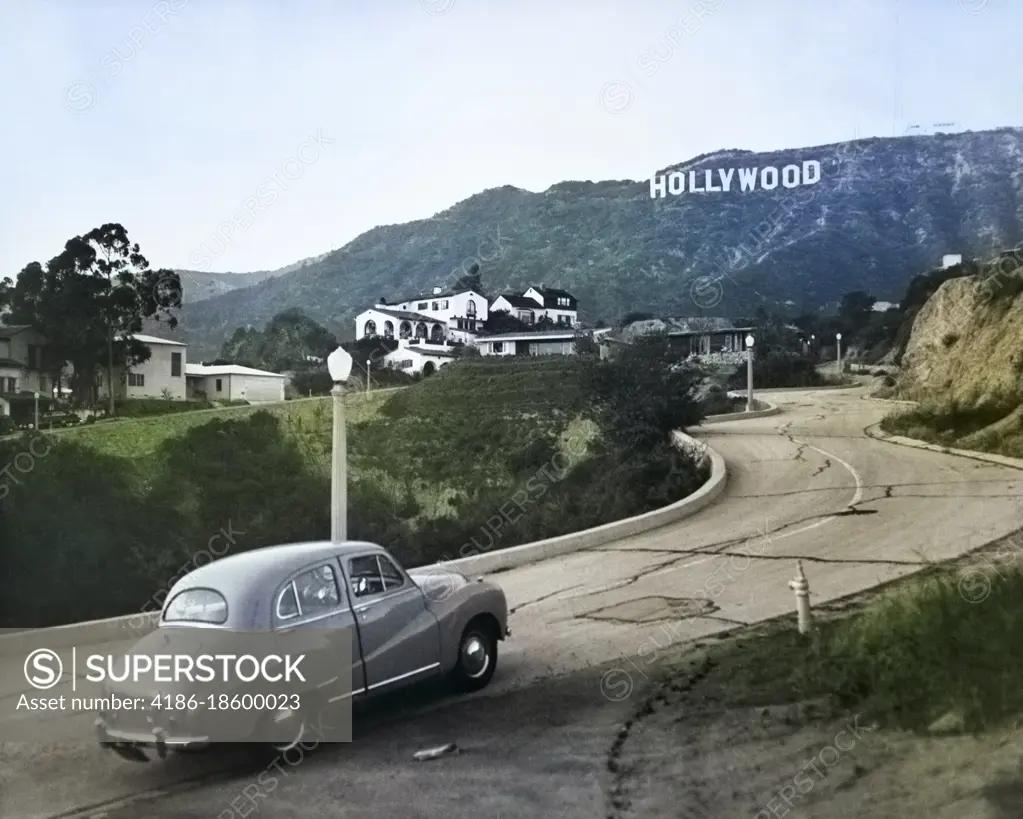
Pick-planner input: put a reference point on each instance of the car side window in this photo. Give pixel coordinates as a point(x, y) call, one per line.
point(287, 603)
point(392, 577)
point(365, 575)
point(313, 592)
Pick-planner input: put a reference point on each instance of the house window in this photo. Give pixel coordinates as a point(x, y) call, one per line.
point(563, 320)
point(526, 316)
point(421, 305)
point(43, 385)
point(444, 305)
point(8, 385)
point(406, 364)
point(498, 346)
point(220, 385)
point(35, 358)
point(136, 379)
point(434, 306)
point(470, 308)
point(176, 365)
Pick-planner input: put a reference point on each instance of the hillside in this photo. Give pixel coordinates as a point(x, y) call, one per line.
point(197, 285)
point(883, 210)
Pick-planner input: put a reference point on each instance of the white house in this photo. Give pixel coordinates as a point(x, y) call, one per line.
point(550, 342)
point(163, 375)
point(438, 317)
point(418, 357)
point(559, 306)
point(232, 382)
point(23, 365)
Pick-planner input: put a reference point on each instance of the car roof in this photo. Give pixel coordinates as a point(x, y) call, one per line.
point(261, 570)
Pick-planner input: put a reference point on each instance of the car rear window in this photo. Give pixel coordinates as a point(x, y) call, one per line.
point(196, 606)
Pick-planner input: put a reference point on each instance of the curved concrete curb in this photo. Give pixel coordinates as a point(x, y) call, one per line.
point(892, 401)
point(135, 626)
point(874, 431)
point(609, 532)
point(763, 410)
point(769, 391)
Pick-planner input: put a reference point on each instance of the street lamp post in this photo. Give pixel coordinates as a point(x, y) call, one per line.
point(36, 395)
point(367, 374)
point(838, 342)
point(749, 373)
point(339, 363)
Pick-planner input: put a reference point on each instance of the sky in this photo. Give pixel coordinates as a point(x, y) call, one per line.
point(292, 127)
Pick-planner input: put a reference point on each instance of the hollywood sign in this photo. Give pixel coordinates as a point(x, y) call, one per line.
point(790, 176)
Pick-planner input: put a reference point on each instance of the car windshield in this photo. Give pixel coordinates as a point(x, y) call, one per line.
point(197, 606)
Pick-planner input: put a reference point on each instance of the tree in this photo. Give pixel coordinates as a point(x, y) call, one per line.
point(629, 318)
point(89, 300)
point(501, 321)
point(643, 394)
point(854, 311)
point(127, 292)
point(470, 280)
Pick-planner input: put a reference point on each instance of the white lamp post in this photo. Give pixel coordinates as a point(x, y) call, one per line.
point(367, 374)
point(36, 394)
point(838, 341)
point(749, 373)
point(339, 363)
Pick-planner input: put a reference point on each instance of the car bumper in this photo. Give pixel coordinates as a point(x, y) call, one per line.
point(133, 746)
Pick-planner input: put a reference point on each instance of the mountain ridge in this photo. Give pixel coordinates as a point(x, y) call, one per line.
point(884, 209)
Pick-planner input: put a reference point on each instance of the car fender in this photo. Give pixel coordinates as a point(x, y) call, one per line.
point(454, 601)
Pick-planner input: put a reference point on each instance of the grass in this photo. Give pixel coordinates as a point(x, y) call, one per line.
point(137, 438)
point(927, 647)
point(994, 424)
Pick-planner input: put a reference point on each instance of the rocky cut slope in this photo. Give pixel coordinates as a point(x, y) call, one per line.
point(966, 343)
point(880, 210)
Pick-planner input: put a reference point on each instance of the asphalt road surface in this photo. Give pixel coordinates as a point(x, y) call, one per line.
point(588, 632)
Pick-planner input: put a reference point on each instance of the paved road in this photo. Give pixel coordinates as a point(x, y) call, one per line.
point(805, 484)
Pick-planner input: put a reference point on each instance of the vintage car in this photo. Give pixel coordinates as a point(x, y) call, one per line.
point(407, 626)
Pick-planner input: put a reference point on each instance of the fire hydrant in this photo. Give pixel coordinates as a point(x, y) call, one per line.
point(801, 587)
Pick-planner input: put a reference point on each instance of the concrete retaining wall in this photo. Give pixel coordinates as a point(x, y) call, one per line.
point(135, 626)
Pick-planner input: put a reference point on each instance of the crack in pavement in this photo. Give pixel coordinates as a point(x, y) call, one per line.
point(827, 465)
point(809, 558)
point(617, 794)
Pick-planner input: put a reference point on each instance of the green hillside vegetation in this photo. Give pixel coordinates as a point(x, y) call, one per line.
point(140, 438)
point(483, 455)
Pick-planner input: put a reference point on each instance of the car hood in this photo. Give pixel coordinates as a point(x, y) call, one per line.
point(438, 581)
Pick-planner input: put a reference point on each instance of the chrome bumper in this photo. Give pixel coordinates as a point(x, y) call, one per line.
point(133, 746)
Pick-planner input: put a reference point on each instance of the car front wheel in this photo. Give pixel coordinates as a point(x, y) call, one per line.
point(477, 658)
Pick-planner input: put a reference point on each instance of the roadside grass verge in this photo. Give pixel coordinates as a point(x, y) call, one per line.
point(994, 424)
point(141, 437)
point(919, 651)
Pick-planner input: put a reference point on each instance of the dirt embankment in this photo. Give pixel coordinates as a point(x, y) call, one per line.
point(965, 347)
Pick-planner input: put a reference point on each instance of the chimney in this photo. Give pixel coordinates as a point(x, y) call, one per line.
point(437, 291)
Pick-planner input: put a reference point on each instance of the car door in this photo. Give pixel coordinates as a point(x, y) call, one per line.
point(399, 635)
point(317, 597)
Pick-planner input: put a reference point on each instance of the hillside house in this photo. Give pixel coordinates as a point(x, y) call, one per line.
point(550, 342)
point(436, 318)
point(560, 306)
point(24, 364)
point(233, 382)
point(419, 357)
point(162, 375)
point(713, 340)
